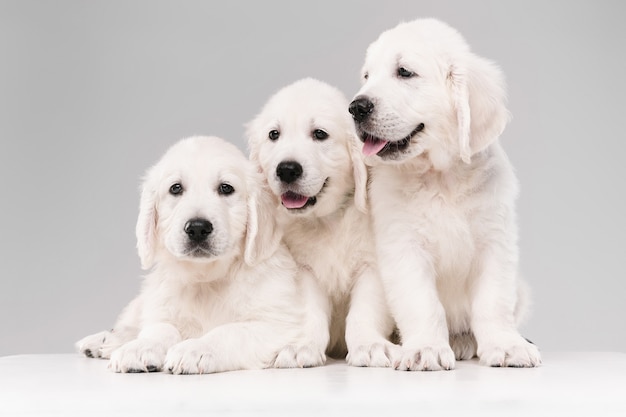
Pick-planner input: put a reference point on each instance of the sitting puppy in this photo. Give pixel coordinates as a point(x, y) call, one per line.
point(221, 294)
point(303, 141)
point(443, 194)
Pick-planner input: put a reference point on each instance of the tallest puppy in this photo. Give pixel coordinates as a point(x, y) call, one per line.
point(443, 193)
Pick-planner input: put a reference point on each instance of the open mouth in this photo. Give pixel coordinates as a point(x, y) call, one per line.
point(294, 201)
point(373, 145)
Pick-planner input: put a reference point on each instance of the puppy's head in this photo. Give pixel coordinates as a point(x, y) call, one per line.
point(424, 92)
point(304, 143)
point(199, 204)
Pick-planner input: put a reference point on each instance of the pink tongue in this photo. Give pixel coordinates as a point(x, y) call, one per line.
point(373, 146)
point(293, 200)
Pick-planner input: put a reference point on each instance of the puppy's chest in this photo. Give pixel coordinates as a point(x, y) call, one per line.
point(440, 218)
point(329, 252)
point(202, 308)
point(446, 233)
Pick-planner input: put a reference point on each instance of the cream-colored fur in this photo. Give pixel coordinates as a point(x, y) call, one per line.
point(330, 236)
point(228, 302)
point(442, 193)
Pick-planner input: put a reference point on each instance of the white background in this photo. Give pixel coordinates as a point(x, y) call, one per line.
point(92, 93)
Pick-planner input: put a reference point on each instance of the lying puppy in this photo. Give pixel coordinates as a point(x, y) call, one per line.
point(303, 142)
point(221, 294)
point(442, 193)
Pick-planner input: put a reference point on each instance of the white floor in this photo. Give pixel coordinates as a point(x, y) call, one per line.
point(569, 384)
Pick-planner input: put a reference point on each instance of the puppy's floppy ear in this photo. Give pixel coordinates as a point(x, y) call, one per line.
point(146, 229)
point(359, 171)
point(262, 232)
point(479, 96)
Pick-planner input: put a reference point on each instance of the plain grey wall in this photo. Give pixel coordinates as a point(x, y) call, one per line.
point(92, 93)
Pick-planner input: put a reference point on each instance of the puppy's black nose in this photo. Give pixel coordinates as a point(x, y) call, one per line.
point(289, 171)
point(360, 108)
point(198, 230)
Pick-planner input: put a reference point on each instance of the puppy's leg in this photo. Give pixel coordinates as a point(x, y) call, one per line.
point(493, 313)
point(310, 351)
point(369, 323)
point(409, 281)
point(147, 352)
point(233, 346)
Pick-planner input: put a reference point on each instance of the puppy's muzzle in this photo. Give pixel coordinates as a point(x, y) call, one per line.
point(198, 230)
point(289, 171)
point(361, 108)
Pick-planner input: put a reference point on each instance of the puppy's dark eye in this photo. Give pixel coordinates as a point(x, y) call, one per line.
point(176, 189)
point(319, 134)
point(366, 76)
point(405, 73)
point(274, 134)
point(225, 189)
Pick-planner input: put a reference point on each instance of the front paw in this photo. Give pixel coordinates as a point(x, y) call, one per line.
point(138, 355)
point(303, 356)
point(425, 358)
point(92, 345)
point(375, 355)
point(510, 351)
point(191, 356)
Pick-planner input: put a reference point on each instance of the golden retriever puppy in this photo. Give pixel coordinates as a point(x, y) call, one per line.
point(303, 141)
point(221, 293)
point(442, 192)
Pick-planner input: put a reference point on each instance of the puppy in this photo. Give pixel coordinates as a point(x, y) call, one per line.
point(221, 292)
point(304, 143)
point(442, 191)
